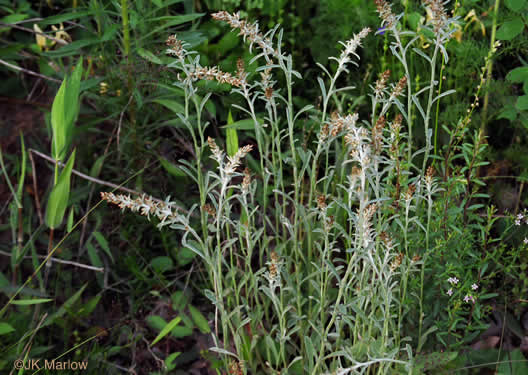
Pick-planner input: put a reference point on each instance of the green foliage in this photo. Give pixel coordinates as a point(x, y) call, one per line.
point(59, 196)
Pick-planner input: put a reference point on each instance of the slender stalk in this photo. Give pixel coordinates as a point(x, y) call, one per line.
point(489, 70)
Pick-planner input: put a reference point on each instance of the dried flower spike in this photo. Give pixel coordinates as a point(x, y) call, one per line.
point(175, 47)
point(214, 73)
point(385, 13)
point(381, 83)
point(247, 30)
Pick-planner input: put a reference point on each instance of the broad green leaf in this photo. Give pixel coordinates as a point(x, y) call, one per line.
point(519, 74)
point(231, 137)
point(168, 328)
point(522, 103)
point(179, 300)
point(508, 112)
point(65, 307)
point(95, 260)
point(170, 359)
point(36, 301)
point(66, 17)
point(515, 5)
point(162, 264)
point(90, 306)
point(199, 320)
point(513, 363)
point(73, 89)
point(5, 328)
point(147, 55)
point(171, 168)
point(156, 322)
point(64, 112)
point(12, 18)
point(173, 21)
point(69, 222)
point(58, 123)
point(104, 244)
point(71, 48)
point(97, 166)
point(181, 331)
point(58, 199)
point(510, 29)
point(246, 124)
point(173, 105)
point(183, 255)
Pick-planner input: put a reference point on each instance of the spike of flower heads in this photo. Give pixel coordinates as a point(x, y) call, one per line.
point(213, 73)
point(350, 49)
point(381, 84)
point(246, 181)
point(274, 268)
point(385, 13)
point(399, 88)
point(176, 47)
point(165, 211)
point(377, 134)
point(438, 14)
point(249, 31)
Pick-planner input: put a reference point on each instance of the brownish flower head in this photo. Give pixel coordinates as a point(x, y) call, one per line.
point(209, 209)
point(323, 134)
point(273, 266)
point(399, 88)
point(235, 160)
point(268, 92)
point(235, 368)
point(371, 210)
point(377, 134)
point(396, 124)
point(321, 202)
point(355, 172)
point(240, 66)
point(410, 192)
point(246, 181)
point(214, 73)
point(416, 258)
point(212, 145)
point(438, 14)
point(381, 83)
point(429, 175)
point(385, 13)
point(397, 261)
point(175, 46)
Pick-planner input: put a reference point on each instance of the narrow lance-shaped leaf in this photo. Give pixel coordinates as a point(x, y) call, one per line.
point(64, 112)
point(232, 137)
point(58, 199)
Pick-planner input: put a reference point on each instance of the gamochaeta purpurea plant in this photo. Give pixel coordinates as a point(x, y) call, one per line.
point(310, 253)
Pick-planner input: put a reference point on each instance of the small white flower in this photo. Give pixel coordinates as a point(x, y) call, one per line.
point(467, 298)
point(525, 240)
point(450, 292)
point(474, 286)
point(453, 280)
point(520, 216)
point(517, 222)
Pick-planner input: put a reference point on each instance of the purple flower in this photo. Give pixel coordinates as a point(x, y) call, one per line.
point(381, 30)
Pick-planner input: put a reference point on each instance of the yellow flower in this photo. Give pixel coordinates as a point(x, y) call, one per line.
point(61, 34)
point(41, 40)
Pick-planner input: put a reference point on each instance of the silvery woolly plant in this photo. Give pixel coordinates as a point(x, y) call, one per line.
point(308, 257)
